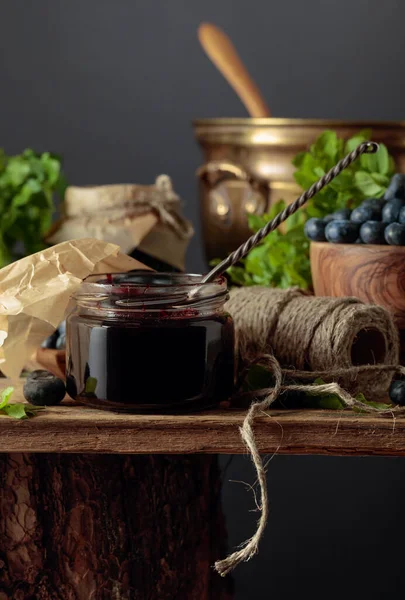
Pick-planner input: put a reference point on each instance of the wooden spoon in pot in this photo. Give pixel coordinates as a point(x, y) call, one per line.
point(222, 53)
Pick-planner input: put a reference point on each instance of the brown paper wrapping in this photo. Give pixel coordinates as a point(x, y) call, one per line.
point(36, 291)
point(146, 217)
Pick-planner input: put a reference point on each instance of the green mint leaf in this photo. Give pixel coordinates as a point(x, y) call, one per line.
point(274, 210)
point(255, 222)
point(380, 405)
point(32, 409)
point(91, 384)
point(326, 147)
point(256, 259)
point(51, 168)
point(380, 179)
point(378, 162)
point(5, 396)
point(258, 378)
point(298, 159)
point(17, 411)
point(362, 136)
point(27, 184)
point(324, 401)
point(367, 186)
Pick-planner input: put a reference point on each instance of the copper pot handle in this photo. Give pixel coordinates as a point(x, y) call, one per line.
point(213, 168)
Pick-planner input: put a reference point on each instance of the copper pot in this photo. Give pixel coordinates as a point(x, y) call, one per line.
point(248, 166)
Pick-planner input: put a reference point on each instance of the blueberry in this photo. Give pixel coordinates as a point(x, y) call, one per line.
point(61, 342)
point(361, 214)
point(50, 341)
point(391, 210)
point(342, 232)
point(396, 188)
point(377, 203)
point(401, 216)
point(372, 232)
point(42, 388)
point(395, 234)
point(341, 215)
point(328, 218)
point(62, 328)
point(315, 230)
point(397, 392)
point(71, 386)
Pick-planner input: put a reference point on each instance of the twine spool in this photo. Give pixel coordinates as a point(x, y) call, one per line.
point(317, 334)
point(353, 345)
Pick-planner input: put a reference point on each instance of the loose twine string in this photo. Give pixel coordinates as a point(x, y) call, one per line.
point(331, 325)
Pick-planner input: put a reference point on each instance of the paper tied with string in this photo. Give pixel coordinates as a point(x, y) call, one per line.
point(145, 217)
point(36, 292)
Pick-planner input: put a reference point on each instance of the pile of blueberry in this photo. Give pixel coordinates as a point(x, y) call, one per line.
point(58, 338)
point(375, 221)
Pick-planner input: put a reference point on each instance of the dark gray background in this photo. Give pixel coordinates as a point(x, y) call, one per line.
point(113, 86)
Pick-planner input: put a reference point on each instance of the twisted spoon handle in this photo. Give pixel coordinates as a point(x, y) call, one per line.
point(234, 257)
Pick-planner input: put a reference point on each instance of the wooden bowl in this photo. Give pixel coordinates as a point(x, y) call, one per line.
point(374, 274)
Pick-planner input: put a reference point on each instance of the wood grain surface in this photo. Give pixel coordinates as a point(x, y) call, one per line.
point(94, 527)
point(374, 274)
point(69, 428)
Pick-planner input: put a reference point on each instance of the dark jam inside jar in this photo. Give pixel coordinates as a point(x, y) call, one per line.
point(132, 345)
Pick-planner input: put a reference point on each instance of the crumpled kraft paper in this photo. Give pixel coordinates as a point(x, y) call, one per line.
point(36, 291)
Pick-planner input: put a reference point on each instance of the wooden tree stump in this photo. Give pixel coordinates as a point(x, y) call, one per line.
point(98, 527)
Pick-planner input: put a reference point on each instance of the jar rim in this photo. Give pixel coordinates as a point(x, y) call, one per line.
point(156, 279)
point(150, 290)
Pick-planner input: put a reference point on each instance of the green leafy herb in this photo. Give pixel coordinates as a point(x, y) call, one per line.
point(91, 384)
point(367, 177)
point(27, 184)
point(260, 377)
point(282, 258)
point(257, 378)
point(379, 405)
point(326, 401)
point(18, 410)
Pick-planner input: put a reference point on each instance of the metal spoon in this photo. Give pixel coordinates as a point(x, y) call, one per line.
point(254, 240)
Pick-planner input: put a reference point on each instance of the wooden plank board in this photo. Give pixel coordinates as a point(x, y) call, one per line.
point(69, 428)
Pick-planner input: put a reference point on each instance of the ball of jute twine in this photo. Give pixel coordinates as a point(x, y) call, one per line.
point(310, 333)
point(307, 332)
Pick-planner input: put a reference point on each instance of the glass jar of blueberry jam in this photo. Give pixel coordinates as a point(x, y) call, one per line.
point(134, 345)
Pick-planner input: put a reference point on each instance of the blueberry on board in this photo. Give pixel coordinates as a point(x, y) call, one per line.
point(342, 232)
point(395, 234)
point(397, 392)
point(372, 232)
point(401, 216)
point(42, 388)
point(341, 215)
point(391, 210)
point(315, 230)
point(396, 188)
point(361, 214)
